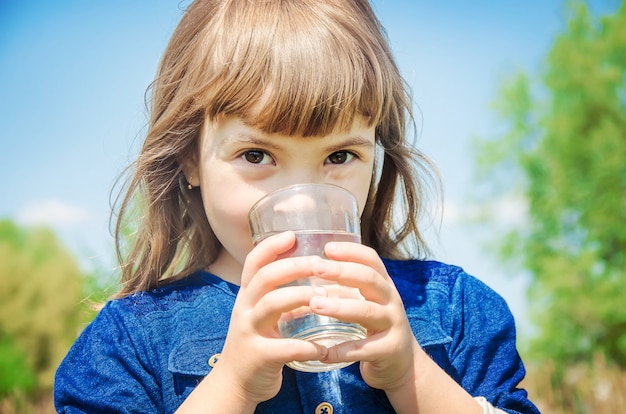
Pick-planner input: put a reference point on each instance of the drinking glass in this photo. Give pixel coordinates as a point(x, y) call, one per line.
point(317, 214)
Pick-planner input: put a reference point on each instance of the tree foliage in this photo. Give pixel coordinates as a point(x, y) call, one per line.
point(41, 288)
point(563, 147)
point(14, 372)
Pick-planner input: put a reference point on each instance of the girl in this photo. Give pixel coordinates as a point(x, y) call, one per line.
point(253, 95)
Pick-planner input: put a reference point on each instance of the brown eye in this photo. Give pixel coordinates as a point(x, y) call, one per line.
point(340, 157)
point(255, 157)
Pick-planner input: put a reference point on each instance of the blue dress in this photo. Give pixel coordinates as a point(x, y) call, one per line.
point(145, 353)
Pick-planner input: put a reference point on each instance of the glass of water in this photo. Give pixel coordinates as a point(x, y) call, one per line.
point(317, 214)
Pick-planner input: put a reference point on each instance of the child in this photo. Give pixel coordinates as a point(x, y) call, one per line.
point(253, 95)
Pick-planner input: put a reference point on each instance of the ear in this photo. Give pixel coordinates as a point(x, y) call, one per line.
point(191, 170)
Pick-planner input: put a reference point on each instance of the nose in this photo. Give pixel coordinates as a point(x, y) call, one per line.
point(303, 176)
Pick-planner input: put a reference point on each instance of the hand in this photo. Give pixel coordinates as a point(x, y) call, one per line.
point(389, 352)
point(254, 352)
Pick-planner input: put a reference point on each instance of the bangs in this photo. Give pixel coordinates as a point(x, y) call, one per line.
point(301, 68)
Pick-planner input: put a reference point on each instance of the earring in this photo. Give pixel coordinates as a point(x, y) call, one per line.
point(189, 186)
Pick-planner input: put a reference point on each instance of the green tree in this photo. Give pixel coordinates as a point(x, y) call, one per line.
point(40, 296)
point(563, 150)
point(15, 375)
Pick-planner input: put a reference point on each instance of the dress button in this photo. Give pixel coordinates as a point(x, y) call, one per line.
point(324, 408)
point(213, 360)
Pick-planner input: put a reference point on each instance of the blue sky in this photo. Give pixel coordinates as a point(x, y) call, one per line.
point(72, 113)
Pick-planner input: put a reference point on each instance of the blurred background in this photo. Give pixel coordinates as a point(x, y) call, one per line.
point(522, 106)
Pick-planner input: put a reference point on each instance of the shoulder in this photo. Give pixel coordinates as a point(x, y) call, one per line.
point(414, 278)
point(440, 299)
point(155, 342)
point(466, 327)
point(186, 308)
point(424, 271)
point(173, 296)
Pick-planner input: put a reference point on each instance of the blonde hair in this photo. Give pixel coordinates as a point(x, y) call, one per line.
point(295, 67)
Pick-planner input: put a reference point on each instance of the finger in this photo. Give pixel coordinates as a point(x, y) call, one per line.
point(288, 299)
point(370, 315)
point(373, 286)
point(369, 349)
point(295, 350)
point(357, 253)
point(267, 251)
point(282, 272)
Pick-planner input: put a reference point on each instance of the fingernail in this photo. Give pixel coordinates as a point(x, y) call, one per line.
point(320, 266)
point(323, 353)
point(286, 235)
point(320, 291)
point(318, 302)
point(331, 247)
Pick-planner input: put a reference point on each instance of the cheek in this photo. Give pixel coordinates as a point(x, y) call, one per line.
point(227, 213)
point(360, 188)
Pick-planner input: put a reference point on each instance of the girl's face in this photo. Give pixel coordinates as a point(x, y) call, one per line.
point(238, 164)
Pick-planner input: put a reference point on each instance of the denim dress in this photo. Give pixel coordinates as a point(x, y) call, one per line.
point(146, 353)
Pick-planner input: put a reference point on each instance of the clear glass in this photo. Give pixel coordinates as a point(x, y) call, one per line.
point(317, 213)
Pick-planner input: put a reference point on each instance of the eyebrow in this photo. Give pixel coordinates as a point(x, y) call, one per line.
point(244, 138)
point(352, 141)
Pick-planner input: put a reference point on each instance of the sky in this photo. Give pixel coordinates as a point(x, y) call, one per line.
point(72, 114)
